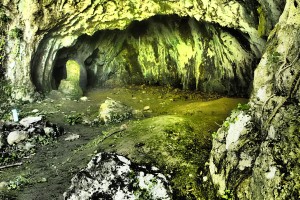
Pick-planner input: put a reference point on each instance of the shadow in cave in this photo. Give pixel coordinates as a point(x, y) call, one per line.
point(113, 57)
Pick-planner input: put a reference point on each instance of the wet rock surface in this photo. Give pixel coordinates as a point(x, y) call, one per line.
point(112, 176)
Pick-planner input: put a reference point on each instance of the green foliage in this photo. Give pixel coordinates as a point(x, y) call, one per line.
point(227, 195)
point(74, 119)
point(243, 107)
point(16, 33)
point(226, 124)
point(214, 134)
point(262, 22)
point(5, 91)
point(16, 184)
point(275, 57)
point(2, 54)
point(4, 18)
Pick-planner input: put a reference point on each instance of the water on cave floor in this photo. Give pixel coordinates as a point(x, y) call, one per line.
point(174, 134)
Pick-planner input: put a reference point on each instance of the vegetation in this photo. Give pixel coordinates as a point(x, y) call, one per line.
point(16, 33)
point(74, 119)
point(228, 195)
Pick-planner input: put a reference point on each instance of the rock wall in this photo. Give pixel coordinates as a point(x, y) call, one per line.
point(255, 154)
point(48, 27)
point(165, 50)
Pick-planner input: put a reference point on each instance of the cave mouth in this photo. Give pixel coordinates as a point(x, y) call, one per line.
point(163, 50)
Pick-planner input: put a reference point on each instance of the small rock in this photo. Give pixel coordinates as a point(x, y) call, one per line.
point(72, 137)
point(48, 131)
point(16, 136)
point(114, 111)
point(35, 111)
point(27, 121)
point(31, 130)
point(146, 108)
point(28, 146)
point(83, 99)
point(137, 114)
point(123, 127)
point(3, 185)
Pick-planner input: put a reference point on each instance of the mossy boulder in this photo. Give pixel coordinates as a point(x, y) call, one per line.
point(70, 89)
point(71, 86)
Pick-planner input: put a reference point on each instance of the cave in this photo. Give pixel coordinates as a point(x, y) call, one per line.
point(149, 99)
point(154, 51)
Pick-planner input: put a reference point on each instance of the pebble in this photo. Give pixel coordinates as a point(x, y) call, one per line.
point(28, 146)
point(83, 99)
point(72, 137)
point(146, 108)
point(48, 130)
point(123, 127)
point(35, 111)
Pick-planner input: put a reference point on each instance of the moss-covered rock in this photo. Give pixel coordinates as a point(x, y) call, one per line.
point(261, 160)
point(70, 87)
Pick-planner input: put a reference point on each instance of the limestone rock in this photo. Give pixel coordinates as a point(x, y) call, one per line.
point(70, 89)
point(114, 111)
point(16, 136)
point(256, 156)
point(111, 176)
point(72, 137)
point(27, 121)
point(50, 39)
point(73, 86)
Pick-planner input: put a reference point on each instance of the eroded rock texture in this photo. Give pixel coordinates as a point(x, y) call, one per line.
point(207, 45)
point(256, 154)
point(112, 176)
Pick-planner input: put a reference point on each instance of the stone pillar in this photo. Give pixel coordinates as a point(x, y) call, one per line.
point(71, 86)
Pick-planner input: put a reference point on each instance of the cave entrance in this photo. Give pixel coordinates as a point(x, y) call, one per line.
point(164, 50)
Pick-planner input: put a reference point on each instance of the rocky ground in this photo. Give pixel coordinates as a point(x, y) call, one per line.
point(166, 128)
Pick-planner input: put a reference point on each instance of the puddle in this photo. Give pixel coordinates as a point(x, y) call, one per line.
point(174, 134)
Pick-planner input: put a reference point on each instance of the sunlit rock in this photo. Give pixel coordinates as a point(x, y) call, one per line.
point(112, 111)
point(255, 155)
point(16, 136)
point(27, 121)
point(112, 176)
point(71, 86)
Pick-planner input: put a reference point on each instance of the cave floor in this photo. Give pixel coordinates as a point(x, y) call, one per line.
point(173, 134)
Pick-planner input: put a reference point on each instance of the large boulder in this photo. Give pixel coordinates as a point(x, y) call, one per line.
point(71, 86)
point(114, 111)
point(111, 176)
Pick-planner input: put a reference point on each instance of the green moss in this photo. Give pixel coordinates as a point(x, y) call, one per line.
point(262, 22)
point(16, 33)
point(70, 86)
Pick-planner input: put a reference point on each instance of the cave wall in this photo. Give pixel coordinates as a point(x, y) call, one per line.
point(256, 152)
point(166, 50)
point(49, 26)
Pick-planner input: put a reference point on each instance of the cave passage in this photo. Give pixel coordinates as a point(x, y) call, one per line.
point(163, 50)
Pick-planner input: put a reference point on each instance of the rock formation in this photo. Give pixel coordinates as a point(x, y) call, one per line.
point(44, 35)
point(256, 154)
point(211, 46)
point(112, 176)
